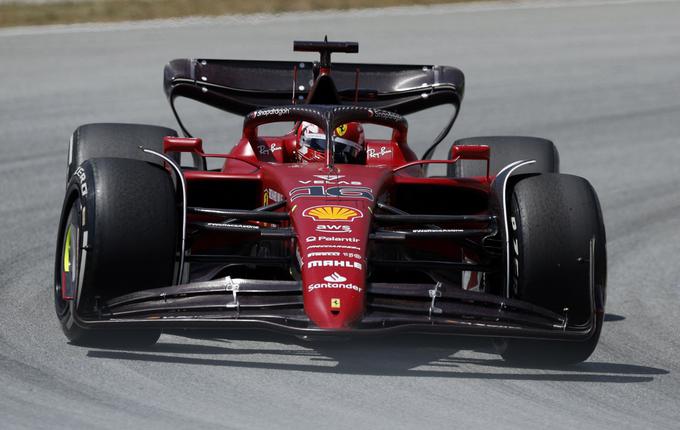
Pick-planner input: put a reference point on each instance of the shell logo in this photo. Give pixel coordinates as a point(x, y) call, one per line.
point(332, 213)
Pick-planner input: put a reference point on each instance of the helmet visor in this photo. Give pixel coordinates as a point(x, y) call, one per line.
point(316, 142)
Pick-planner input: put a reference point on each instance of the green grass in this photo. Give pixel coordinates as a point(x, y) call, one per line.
point(69, 12)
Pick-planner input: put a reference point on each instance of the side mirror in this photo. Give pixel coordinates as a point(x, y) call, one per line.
point(183, 144)
point(192, 145)
point(472, 152)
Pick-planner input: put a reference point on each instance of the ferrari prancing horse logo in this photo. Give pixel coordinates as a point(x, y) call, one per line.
point(335, 303)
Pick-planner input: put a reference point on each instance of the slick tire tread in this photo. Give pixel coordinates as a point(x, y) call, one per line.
point(553, 217)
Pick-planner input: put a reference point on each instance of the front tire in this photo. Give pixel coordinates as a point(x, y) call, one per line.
point(553, 218)
point(117, 235)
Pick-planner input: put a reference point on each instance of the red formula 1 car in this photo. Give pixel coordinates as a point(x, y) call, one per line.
point(326, 230)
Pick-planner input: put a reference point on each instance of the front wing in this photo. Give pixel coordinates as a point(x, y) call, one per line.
point(277, 305)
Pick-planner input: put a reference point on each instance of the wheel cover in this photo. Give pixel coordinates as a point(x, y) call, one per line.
point(66, 282)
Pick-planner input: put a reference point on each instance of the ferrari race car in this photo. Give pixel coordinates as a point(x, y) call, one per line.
point(500, 244)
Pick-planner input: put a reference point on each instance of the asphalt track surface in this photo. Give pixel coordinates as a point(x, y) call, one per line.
point(601, 80)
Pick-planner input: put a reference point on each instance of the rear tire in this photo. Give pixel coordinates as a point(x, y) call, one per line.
point(117, 235)
point(116, 140)
point(505, 150)
point(553, 217)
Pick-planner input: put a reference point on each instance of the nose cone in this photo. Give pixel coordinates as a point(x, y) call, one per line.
point(334, 291)
point(331, 213)
point(332, 247)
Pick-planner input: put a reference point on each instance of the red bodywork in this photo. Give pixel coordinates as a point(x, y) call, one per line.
point(331, 209)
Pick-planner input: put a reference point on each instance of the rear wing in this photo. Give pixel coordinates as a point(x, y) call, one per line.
point(242, 86)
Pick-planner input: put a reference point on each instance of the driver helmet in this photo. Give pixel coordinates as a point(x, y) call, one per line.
point(348, 139)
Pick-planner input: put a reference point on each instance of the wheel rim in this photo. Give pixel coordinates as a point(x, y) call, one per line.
point(68, 263)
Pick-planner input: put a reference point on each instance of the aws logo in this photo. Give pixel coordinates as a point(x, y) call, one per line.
point(332, 213)
point(333, 228)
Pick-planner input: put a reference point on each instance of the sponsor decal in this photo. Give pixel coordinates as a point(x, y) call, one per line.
point(323, 228)
point(271, 196)
point(335, 263)
point(372, 153)
point(356, 248)
point(334, 281)
point(332, 213)
point(335, 303)
point(266, 150)
point(340, 191)
point(384, 114)
point(323, 254)
point(232, 226)
point(351, 255)
point(323, 179)
point(80, 173)
point(443, 230)
point(273, 111)
point(331, 239)
point(335, 277)
point(333, 285)
point(336, 179)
